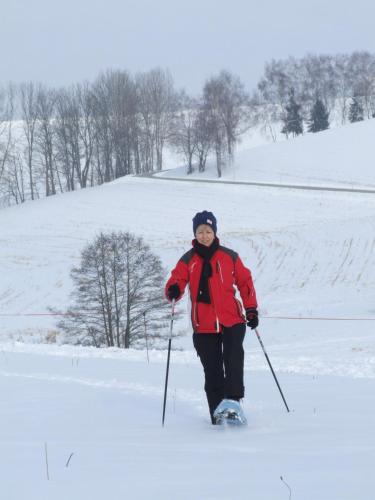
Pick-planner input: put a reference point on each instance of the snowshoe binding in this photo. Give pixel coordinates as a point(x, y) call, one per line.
point(229, 411)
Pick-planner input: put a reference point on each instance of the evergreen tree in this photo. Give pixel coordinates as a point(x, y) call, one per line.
point(318, 117)
point(355, 111)
point(293, 121)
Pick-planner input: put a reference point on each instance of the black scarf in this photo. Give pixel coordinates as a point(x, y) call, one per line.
point(206, 253)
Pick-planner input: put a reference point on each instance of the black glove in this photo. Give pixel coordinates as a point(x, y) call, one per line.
point(252, 317)
point(173, 292)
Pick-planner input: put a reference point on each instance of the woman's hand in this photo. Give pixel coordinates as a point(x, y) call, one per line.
point(173, 292)
point(252, 317)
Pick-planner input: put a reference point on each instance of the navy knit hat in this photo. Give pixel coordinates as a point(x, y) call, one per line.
point(204, 218)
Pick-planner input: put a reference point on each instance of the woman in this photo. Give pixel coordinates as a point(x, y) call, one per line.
point(219, 324)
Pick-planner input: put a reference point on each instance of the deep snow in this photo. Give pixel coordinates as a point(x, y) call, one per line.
point(107, 412)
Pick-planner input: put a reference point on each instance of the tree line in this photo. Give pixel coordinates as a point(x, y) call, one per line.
point(342, 84)
point(61, 140)
point(57, 140)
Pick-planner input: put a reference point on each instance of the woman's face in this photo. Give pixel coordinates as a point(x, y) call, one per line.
point(204, 234)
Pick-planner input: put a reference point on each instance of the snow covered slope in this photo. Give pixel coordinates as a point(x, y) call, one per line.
point(311, 254)
point(340, 157)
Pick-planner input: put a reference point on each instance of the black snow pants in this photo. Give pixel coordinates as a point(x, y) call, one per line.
point(222, 357)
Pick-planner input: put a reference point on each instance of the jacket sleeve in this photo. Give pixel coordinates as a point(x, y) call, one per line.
point(180, 276)
point(244, 283)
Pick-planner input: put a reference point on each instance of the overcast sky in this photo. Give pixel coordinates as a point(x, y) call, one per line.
point(60, 42)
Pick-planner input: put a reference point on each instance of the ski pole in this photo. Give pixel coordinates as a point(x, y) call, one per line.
point(269, 364)
point(168, 358)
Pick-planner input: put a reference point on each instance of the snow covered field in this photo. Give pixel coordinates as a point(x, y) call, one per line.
point(107, 411)
point(311, 254)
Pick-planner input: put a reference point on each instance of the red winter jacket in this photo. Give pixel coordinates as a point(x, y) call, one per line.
point(227, 271)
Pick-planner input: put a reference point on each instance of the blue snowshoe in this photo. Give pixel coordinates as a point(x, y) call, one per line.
point(229, 411)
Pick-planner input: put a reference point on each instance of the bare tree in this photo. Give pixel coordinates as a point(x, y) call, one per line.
point(157, 104)
point(103, 140)
point(204, 130)
point(74, 127)
point(211, 99)
point(87, 130)
point(344, 85)
point(67, 137)
point(29, 113)
point(319, 80)
point(164, 102)
point(14, 179)
point(118, 280)
point(6, 117)
point(46, 99)
point(275, 85)
point(362, 66)
point(264, 115)
point(184, 134)
point(226, 103)
point(147, 134)
point(123, 120)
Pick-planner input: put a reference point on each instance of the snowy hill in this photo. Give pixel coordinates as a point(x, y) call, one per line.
point(311, 254)
point(339, 157)
point(301, 246)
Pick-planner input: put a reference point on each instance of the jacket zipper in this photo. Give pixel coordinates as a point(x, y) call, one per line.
point(222, 280)
point(196, 314)
point(218, 267)
point(213, 305)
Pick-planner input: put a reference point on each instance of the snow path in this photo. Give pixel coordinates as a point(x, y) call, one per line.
point(166, 177)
